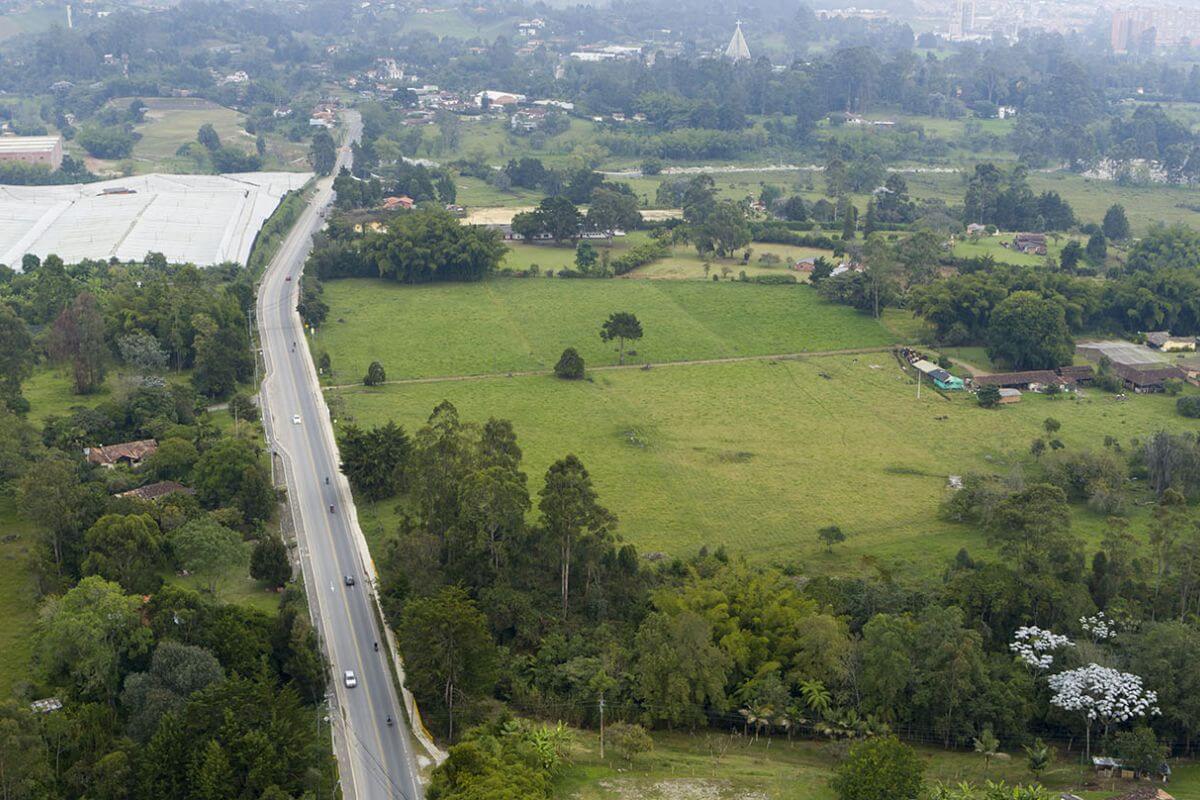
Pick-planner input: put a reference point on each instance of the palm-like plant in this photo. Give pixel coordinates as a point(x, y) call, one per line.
point(757, 715)
point(816, 697)
point(987, 745)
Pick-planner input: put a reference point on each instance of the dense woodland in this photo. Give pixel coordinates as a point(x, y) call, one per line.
point(167, 688)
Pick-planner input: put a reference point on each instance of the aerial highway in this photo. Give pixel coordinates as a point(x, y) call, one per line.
point(372, 740)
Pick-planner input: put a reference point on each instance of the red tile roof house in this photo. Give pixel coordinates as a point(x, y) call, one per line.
point(131, 454)
point(392, 203)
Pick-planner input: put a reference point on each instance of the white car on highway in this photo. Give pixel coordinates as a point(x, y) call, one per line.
point(295, 419)
point(351, 681)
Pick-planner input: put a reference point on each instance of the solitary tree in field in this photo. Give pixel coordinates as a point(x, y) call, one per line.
point(623, 327)
point(570, 365)
point(1116, 224)
point(375, 374)
point(831, 535)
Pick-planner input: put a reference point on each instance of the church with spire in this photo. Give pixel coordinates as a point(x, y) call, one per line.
point(737, 49)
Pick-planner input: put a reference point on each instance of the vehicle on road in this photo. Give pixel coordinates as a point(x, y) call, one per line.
point(351, 680)
point(295, 419)
point(349, 580)
point(288, 278)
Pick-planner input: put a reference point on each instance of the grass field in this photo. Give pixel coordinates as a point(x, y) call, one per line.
point(683, 262)
point(511, 325)
point(686, 767)
point(18, 613)
point(759, 455)
point(35, 19)
point(171, 123)
point(994, 246)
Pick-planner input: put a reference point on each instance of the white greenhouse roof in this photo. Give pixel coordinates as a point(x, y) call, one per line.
point(201, 219)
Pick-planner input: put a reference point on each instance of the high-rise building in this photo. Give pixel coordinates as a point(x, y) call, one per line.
point(1139, 29)
point(738, 50)
point(963, 20)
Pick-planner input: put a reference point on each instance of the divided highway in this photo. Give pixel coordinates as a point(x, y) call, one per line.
point(375, 758)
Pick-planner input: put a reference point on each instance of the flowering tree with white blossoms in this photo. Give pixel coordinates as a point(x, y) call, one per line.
point(1102, 694)
point(1035, 646)
point(1099, 627)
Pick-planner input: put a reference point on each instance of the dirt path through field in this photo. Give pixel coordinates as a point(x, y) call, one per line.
point(611, 367)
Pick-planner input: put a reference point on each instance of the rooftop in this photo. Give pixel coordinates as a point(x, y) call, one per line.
point(28, 144)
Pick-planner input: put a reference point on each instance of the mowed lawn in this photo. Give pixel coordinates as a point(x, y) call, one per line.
point(759, 455)
point(515, 325)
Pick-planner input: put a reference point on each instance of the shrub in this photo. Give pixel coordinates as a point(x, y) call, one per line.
point(988, 396)
point(570, 365)
point(879, 769)
point(375, 374)
point(629, 740)
point(638, 256)
point(1172, 386)
point(1189, 406)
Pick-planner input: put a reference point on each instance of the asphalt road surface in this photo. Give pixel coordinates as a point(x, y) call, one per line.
point(375, 759)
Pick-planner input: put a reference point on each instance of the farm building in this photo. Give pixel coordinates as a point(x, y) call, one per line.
point(1031, 244)
point(1081, 373)
point(1033, 380)
point(45, 150)
point(940, 377)
point(1118, 352)
point(1148, 378)
point(199, 219)
point(1163, 340)
point(1010, 396)
point(131, 454)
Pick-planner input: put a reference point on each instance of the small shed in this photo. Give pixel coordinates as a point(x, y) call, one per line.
point(1009, 396)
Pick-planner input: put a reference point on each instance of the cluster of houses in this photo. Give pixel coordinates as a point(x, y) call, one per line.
point(1140, 370)
point(133, 455)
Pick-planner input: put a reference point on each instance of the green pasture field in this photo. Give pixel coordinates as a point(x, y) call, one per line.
point(18, 610)
point(513, 325)
point(994, 246)
point(172, 123)
point(721, 767)
point(35, 19)
point(452, 22)
point(683, 262)
point(759, 455)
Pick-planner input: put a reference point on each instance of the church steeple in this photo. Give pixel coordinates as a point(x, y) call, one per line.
point(737, 49)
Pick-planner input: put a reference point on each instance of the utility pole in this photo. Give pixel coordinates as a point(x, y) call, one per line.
point(602, 726)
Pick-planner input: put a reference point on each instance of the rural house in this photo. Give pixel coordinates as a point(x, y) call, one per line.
point(1033, 380)
point(131, 454)
point(1010, 396)
point(1163, 340)
point(1031, 244)
point(940, 377)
